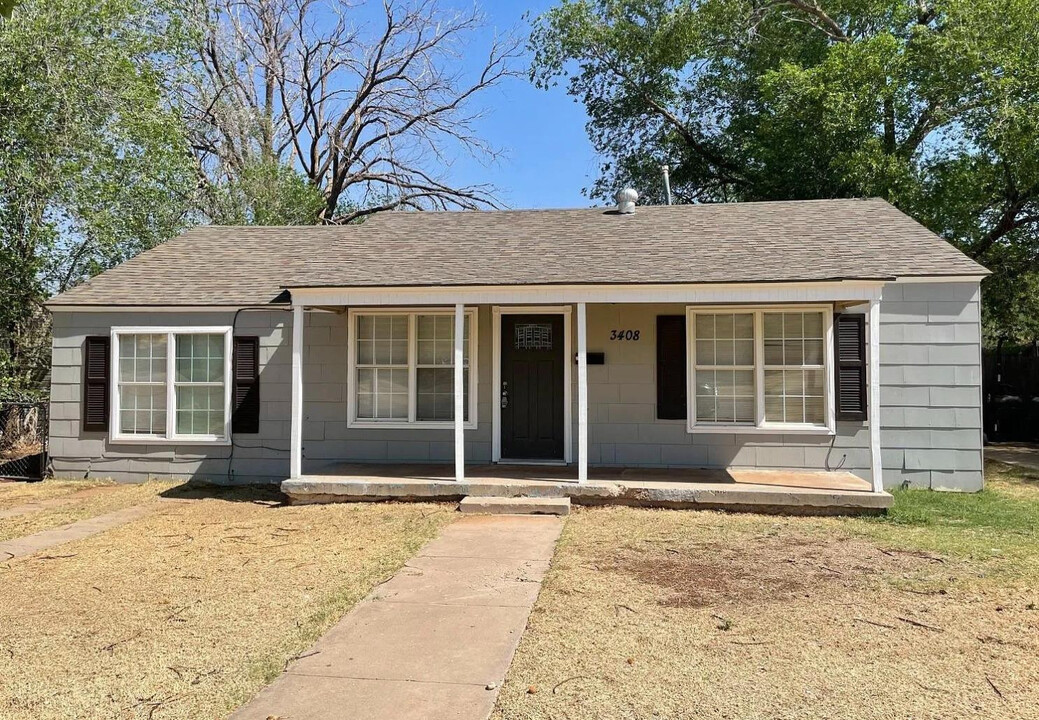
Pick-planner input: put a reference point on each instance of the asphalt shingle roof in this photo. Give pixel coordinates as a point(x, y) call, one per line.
point(738, 242)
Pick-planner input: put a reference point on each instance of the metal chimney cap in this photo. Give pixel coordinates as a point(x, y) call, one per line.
point(626, 200)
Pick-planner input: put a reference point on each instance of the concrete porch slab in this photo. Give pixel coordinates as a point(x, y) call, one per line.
point(780, 491)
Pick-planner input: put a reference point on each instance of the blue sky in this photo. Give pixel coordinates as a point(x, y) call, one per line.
point(547, 156)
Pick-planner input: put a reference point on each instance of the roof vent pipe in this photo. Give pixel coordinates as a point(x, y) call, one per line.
point(667, 182)
point(626, 201)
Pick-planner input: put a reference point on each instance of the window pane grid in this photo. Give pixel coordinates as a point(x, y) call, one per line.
point(200, 359)
point(200, 409)
point(199, 370)
point(791, 367)
point(142, 358)
point(794, 367)
point(435, 340)
point(724, 369)
point(142, 384)
point(384, 367)
point(142, 409)
point(199, 384)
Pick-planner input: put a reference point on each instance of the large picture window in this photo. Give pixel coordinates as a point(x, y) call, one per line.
point(760, 368)
point(171, 384)
point(403, 366)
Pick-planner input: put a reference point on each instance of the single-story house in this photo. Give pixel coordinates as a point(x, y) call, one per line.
point(829, 337)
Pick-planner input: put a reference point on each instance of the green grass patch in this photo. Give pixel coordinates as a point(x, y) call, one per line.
point(1000, 523)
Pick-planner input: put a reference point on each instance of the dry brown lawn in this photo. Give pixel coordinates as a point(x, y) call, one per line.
point(664, 614)
point(85, 501)
point(13, 494)
point(189, 611)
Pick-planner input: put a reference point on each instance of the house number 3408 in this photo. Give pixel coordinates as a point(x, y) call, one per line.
point(624, 335)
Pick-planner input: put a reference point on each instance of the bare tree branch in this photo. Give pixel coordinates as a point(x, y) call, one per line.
point(816, 17)
point(367, 113)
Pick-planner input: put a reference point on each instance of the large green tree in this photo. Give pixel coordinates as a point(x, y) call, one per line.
point(932, 104)
point(93, 162)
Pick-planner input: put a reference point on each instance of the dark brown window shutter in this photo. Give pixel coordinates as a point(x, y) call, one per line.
point(246, 370)
point(850, 338)
point(671, 369)
point(96, 371)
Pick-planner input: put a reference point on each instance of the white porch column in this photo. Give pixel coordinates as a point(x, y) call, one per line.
point(873, 385)
point(582, 392)
point(459, 393)
point(296, 431)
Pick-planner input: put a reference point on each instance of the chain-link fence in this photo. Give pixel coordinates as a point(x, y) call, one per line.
point(23, 440)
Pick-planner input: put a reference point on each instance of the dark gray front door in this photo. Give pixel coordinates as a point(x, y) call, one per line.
point(532, 387)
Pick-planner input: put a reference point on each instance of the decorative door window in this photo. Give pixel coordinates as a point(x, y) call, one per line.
point(533, 336)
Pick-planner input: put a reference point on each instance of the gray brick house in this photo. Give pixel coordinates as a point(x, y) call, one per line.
point(817, 336)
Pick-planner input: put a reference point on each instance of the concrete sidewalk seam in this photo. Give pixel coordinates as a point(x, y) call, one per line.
point(378, 679)
point(482, 557)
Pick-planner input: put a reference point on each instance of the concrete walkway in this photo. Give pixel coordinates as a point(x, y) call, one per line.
point(51, 503)
point(435, 641)
point(1026, 456)
point(45, 539)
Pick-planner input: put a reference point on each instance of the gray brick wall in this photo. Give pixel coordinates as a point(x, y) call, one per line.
point(930, 397)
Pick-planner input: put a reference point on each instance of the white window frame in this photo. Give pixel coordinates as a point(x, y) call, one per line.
point(412, 422)
point(759, 425)
point(171, 436)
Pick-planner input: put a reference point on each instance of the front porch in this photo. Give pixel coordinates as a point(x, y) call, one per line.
point(735, 489)
point(493, 381)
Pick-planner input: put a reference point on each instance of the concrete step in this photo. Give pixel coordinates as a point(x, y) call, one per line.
point(483, 505)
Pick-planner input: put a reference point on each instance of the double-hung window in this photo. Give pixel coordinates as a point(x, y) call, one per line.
point(171, 384)
point(402, 367)
point(767, 368)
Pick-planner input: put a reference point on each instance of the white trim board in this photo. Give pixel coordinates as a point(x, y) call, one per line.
point(301, 294)
point(496, 313)
point(744, 293)
point(166, 308)
point(917, 279)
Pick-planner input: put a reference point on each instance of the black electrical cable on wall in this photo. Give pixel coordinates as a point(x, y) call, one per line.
point(234, 443)
point(827, 462)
